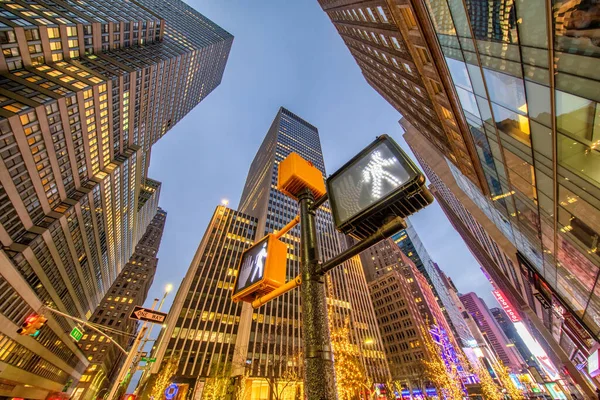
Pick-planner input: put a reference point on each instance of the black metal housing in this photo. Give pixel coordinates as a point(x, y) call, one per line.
point(407, 199)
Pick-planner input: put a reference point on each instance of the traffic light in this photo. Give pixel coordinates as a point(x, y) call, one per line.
point(378, 183)
point(32, 325)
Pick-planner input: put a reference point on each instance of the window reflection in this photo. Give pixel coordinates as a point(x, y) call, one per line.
point(511, 123)
point(458, 71)
point(493, 20)
point(506, 90)
point(576, 117)
point(577, 26)
point(579, 158)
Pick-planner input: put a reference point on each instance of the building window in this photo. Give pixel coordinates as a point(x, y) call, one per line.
point(408, 17)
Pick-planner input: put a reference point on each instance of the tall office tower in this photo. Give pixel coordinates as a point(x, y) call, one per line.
point(476, 219)
point(381, 258)
point(400, 59)
point(406, 310)
point(511, 333)
point(270, 337)
point(520, 80)
point(112, 314)
point(86, 88)
point(492, 332)
point(203, 322)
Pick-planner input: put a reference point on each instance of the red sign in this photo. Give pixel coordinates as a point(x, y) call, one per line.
point(512, 314)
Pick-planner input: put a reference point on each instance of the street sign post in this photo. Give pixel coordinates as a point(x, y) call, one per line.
point(148, 359)
point(76, 334)
point(146, 314)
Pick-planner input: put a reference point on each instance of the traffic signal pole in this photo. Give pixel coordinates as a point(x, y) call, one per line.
point(319, 375)
point(130, 357)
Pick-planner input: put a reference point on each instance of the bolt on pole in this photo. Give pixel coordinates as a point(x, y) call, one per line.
point(319, 374)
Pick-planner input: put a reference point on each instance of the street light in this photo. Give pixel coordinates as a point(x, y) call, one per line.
point(168, 288)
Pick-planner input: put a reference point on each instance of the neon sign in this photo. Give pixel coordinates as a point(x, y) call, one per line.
point(506, 306)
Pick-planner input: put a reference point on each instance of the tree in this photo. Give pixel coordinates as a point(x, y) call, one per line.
point(284, 385)
point(218, 382)
point(444, 377)
point(489, 388)
point(164, 376)
point(349, 372)
point(508, 384)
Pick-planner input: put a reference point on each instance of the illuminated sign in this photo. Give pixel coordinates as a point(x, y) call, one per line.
point(594, 364)
point(380, 181)
point(535, 349)
point(171, 391)
point(555, 391)
point(261, 269)
point(512, 314)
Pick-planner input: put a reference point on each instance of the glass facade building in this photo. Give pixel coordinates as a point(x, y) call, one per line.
point(86, 89)
point(517, 82)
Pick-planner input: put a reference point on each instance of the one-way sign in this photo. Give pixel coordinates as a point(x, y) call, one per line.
point(146, 314)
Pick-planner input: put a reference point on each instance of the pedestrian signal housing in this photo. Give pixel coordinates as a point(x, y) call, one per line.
point(261, 269)
point(295, 174)
point(378, 183)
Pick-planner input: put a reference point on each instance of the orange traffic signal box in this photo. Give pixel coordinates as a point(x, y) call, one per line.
point(261, 270)
point(295, 174)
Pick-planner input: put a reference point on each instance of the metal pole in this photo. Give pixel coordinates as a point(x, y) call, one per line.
point(146, 339)
point(319, 375)
point(130, 356)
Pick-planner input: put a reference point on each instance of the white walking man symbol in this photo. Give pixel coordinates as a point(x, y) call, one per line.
point(260, 263)
point(375, 171)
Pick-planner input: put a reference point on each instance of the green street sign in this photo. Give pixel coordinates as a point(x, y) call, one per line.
point(147, 359)
point(76, 334)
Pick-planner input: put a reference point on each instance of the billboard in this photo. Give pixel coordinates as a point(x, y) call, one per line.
point(593, 365)
point(378, 182)
point(261, 269)
point(506, 306)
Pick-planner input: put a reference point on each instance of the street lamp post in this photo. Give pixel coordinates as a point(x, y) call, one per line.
point(319, 372)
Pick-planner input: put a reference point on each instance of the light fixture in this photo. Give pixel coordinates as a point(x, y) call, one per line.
point(168, 288)
point(224, 202)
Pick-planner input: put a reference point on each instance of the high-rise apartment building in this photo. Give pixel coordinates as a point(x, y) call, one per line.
point(380, 259)
point(515, 82)
point(406, 310)
point(214, 337)
point(493, 333)
point(87, 87)
point(112, 314)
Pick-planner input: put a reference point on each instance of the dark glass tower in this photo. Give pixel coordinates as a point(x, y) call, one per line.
point(128, 290)
point(86, 88)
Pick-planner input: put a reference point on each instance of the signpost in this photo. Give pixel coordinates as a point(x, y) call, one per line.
point(146, 314)
point(148, 359)
point(76, 334)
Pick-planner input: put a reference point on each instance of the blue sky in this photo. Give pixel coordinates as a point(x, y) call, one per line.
point(285, 53)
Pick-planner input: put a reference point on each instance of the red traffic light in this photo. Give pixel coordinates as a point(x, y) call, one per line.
point(32, 325)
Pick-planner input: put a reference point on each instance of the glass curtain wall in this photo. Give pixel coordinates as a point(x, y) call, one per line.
point(527, 75)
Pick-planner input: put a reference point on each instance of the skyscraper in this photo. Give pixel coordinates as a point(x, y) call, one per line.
point(87, 88)
point(406, 310)
point(514, 82)
point(511, 333)
point(128, 290)
point(493, 333)
point(215, 338)
point(203, 322)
